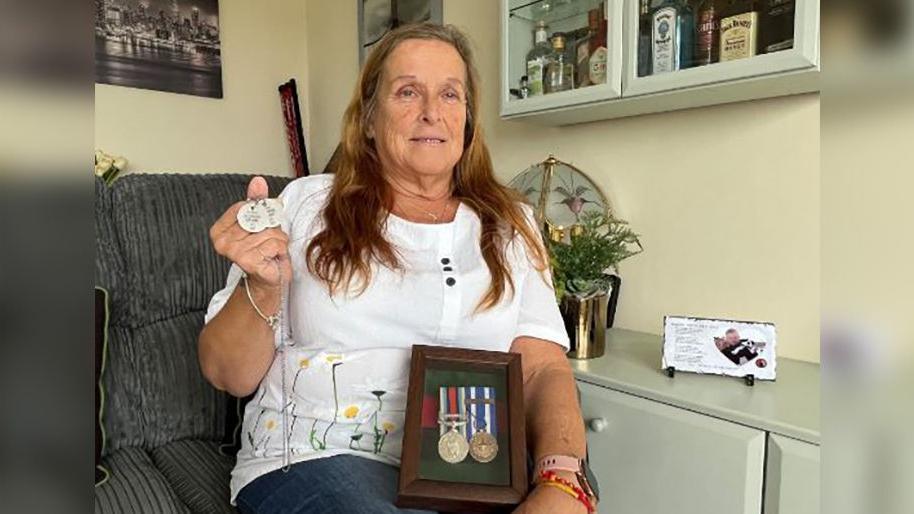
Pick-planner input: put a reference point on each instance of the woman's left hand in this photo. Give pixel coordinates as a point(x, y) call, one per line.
point(549, 500)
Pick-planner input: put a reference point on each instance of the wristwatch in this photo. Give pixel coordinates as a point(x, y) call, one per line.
point(579, 467)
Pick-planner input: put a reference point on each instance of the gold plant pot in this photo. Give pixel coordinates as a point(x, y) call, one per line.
point(585, 322)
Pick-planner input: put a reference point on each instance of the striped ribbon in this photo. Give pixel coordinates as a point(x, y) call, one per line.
point(474, 404)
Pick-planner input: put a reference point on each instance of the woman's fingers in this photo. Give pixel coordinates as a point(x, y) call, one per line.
point(228, 219)
point(259, 253)
point(258, 188)
point(254, 240)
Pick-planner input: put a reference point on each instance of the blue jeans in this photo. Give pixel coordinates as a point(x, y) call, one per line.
point(344, 484)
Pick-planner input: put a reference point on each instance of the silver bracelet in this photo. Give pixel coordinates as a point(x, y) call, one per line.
point(273, 320)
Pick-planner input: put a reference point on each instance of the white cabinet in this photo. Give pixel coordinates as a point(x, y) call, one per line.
point(803, 56)
point(652, 458)
point(792, 484)
point(787, 71)
point(518, 22)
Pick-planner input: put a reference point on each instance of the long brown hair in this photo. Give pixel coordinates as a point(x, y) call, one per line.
point(360, 198)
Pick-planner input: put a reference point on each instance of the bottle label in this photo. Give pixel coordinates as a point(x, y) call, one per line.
point(597, 74)
point(535, 76)
point(541, 36)
point(708, 30)
point(777, 47)
point(665, 40)
point(739, 36)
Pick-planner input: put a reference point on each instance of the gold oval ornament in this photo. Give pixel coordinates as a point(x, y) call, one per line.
point(453, 447)
point(483, 447)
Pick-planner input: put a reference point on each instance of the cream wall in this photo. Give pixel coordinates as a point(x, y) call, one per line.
point(727, 198)
point(263, 45)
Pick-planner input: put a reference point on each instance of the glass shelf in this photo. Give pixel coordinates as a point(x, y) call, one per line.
point(551, 11)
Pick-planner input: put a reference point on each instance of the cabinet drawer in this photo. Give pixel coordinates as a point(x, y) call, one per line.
point(792, 477)
point(651, 458)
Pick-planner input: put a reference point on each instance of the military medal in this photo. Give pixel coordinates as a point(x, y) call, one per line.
point(259, 215)
point(452, 445)
point(480, 408)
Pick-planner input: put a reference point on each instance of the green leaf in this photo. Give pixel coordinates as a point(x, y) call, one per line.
point(578, 267)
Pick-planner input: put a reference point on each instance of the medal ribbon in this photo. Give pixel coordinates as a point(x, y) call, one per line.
point(450, 401)
point(480, 404)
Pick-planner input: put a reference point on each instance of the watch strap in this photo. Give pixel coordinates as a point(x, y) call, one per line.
point(558, 463)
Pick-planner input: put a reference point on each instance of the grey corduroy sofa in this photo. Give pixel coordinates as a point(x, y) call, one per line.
point(163, 422)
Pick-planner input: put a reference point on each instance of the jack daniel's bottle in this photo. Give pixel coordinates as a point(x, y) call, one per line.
point(739, 30)
point(672, 26)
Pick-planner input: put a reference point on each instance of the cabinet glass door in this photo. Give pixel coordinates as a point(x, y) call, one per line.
point(675, 44)
point(559, 53)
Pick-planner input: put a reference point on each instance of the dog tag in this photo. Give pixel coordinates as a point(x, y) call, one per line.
point(259, 215)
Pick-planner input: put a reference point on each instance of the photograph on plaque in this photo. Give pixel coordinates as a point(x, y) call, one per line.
point(464, 444)
point(721, 347)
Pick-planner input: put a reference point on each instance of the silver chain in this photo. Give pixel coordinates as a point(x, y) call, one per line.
point(280, 332)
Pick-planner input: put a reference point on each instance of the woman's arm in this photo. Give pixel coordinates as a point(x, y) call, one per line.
point(236, 347)
point(554, 422)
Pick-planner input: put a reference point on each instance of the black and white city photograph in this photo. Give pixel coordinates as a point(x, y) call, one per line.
point(164, 45)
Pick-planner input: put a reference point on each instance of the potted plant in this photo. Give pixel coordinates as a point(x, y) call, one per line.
point(580, 262)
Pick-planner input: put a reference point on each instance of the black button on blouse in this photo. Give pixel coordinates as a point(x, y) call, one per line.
point(450, 281)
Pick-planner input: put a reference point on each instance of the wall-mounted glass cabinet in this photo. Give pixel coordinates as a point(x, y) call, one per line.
point(558, 53)
point(658, 55)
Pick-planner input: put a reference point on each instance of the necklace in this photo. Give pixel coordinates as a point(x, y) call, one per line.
point(419, 196)
point(436, 217)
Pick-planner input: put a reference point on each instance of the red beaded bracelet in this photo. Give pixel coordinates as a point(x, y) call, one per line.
point(549, 476)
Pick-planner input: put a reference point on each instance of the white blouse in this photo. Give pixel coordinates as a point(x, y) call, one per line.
point(348, 365)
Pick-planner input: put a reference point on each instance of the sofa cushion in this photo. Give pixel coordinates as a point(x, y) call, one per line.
point(198, 473)
point(135, 486)
point(155, 391)
point(161, 227)
point(109, 265)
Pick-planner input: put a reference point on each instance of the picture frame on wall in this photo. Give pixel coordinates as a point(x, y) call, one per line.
point(464, 442)
point(378, 17)
point(163, 45)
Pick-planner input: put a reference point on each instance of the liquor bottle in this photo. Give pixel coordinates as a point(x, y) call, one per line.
point(596, 67)
point(559, 74)
point(778, 26)
point(582, 54)
point(739, 22)
point(707, 33)
point(644, 39)
point(672, 27)
point(536, 59)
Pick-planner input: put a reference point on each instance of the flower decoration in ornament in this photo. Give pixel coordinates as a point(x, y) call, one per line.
point(586, 241)
point(560, 194)
point(108, 167)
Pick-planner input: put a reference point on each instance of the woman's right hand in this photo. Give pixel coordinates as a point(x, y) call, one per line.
point(257, 254)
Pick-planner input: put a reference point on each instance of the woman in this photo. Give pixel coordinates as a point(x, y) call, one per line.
point(411, 241)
